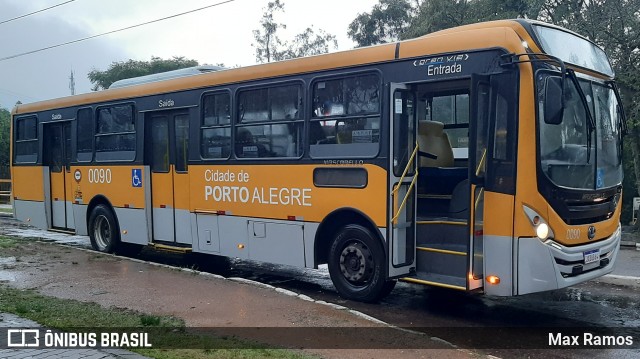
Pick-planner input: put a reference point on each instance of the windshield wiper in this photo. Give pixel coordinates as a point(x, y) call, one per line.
point(591, 122)
point(622, 123)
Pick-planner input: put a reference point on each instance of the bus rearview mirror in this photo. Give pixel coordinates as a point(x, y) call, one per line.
point(553, 100)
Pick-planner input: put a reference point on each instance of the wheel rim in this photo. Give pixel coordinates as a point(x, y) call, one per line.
point(102, 232)
point(356, 263)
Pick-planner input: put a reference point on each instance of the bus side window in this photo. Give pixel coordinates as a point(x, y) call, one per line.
point(26, 140)
point(269, 122)
point(345, 117)
point(215, 129)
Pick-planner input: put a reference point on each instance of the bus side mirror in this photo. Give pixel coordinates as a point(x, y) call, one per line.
point(553, 100)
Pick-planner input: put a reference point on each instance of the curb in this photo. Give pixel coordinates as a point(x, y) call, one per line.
point(620, 280)
point(629, 244)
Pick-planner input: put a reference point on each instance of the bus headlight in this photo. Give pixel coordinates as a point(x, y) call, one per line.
point(542, 229)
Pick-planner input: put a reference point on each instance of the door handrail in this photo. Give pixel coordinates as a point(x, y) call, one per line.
point(406, 169)
point(413, 182)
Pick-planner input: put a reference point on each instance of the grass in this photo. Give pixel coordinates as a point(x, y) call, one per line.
point(7, 242)
point(67, 314)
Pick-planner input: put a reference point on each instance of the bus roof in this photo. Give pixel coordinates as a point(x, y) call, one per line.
point(501, 33)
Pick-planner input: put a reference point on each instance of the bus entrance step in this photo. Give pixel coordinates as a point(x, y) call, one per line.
point(438, 280)
point(170, 248)
point(62, 230)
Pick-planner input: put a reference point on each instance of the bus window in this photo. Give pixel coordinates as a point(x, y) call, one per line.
point(279, 133)
point(453, 112)
point(26, 142)
point(182, 142)
point(85, 134)
point(215, 132)
point(116, 133)
point(160, 144)
point(346, 117)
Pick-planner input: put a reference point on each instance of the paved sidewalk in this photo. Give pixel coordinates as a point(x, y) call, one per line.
point(13, 321)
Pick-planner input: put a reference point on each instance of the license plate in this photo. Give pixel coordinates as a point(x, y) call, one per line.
point(591, 256)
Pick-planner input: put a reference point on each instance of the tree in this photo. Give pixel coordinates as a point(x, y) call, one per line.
point(615, 26)
point(5, 135)
point(268, 45)
point(133, 68)
point(385, 23)
point(308, 43)
point(270, 48)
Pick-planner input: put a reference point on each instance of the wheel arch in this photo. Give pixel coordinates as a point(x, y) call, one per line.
point(332, 223)
point(97, 200)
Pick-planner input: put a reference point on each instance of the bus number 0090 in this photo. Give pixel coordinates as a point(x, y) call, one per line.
point(99, 175)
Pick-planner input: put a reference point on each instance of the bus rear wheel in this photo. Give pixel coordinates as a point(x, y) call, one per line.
point(356, 265)
point(103, 230)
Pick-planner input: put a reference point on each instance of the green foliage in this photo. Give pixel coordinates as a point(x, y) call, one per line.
point(7, 242)
point(268, 45)
point(5, 135)
point(270, 48)
point(134, 68)
point(385, 23)
point(308, 43)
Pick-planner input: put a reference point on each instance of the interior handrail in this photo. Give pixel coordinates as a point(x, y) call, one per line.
point(406, 169)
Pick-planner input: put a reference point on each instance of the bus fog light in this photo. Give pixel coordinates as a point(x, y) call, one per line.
point(542, 231)
point(493, 279)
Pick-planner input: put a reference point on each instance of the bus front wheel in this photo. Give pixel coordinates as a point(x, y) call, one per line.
point(356, 265)
point(103, 229)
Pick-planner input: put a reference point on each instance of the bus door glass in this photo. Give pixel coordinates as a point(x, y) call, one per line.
point(492, 155)
point(401, 247)
point(168, 133)
point(57, 156)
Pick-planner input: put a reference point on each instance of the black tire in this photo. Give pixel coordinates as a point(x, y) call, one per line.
point(357, 265)
point(103, 230)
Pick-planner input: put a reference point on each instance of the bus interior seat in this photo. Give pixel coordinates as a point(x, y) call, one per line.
point(434, 141)
point(439, 182)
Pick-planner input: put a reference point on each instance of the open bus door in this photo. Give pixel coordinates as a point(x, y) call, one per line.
point(401, 248)
point(492, 161)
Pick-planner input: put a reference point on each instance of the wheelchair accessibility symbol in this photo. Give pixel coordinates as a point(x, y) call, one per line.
point(136, 177)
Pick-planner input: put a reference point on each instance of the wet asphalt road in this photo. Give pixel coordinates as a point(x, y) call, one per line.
point(439, 312)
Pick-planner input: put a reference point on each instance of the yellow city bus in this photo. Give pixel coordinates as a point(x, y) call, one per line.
point(482, 158)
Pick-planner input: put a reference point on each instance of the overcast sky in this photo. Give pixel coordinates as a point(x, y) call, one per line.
point(221, 34)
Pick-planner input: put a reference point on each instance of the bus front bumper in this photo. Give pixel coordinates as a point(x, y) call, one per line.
point(549, 265)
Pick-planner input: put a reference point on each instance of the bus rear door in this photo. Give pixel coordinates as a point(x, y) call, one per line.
point(168, 133)
point(57, 156)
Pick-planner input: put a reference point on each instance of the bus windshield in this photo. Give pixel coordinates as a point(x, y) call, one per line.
point(573, 49)
point(564, 147)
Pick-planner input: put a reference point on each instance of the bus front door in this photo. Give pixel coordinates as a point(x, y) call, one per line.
point(401, 249)
point(168, 132)
point(57, 157)
point(492, 155)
